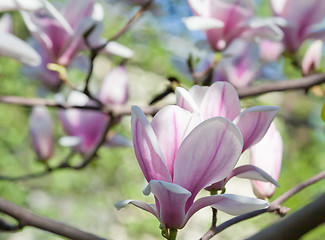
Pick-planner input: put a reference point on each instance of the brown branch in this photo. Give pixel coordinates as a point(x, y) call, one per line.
point(94, 51)
point(302, 83)
point(26, 218)
point(201, 77)
point(120, 110)
point(275, 206)
point(115, 110)
point(284, 197)
point(212, 232)
point(297, 224)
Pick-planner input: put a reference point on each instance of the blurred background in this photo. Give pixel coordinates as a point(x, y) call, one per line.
point(86, 198)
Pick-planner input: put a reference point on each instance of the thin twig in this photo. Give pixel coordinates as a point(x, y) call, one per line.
point(26, 218)
point(115, 110)
point(65, 163)
point(94, 51)
point(284, 197)
point(141, 10)
point(275, 206)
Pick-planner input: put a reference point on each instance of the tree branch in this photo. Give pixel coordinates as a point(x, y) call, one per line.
point(302, 83)
point(284, 197)
point(297, 224)
point(26, 218)
point(141, 10)
point(275, 206)
point(115, 110)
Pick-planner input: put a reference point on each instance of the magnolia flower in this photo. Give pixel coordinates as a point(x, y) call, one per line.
point(12, 46)
point(240, 64)
point(223, 21)
point(303, 18)
point(267, 155)
point(221, 100)
point(180, 156)
point(270, 51)
point(115, 87)
point(27, 5)
point(84, 127)
point(59, 35)
point(312, 58)
point(41, 133)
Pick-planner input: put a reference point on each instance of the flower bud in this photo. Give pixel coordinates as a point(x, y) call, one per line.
point(41, 133)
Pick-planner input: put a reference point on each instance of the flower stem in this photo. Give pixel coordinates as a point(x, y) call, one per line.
point(169, 234)
point(172, 234)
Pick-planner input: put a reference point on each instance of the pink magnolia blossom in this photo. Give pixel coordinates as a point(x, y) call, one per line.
point(270, 51)
point(312, 58)
point(84, 126)
point(221, 100)
point(240, 64)
point(115, 87)
point(223, 21)
point(267, 155)
point(302, 19)
point(41, 133)
point(12, 46)
point(27, 5)
point(59, 36)
point(180, 156)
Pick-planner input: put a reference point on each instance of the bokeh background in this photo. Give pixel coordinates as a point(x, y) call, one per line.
point(86, 198)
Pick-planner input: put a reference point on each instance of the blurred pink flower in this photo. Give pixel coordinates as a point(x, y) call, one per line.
point(12, 46)
point(115, 87)
point(240, 64)
point(270, 51)
point(303, 18)
point(312, 58)
point(59, 35)
point(267, 155)
point(41, 133)
point(224, 21)
point(180, 156)
point(84, 127)
point(27, 5)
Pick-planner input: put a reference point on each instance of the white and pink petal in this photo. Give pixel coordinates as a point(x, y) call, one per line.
point(228, 203)
point(221, 100)
point(207, 155)
point(147, 149)
point(267, 155)
point(170, 125)
point(170, 202)
point(254, 122)
point(253, 173)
